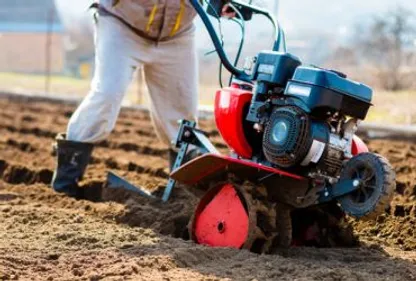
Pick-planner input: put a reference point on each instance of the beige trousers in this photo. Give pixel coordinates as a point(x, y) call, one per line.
point(170, 70)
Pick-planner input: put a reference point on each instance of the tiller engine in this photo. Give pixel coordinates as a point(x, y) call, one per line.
point(296, 167)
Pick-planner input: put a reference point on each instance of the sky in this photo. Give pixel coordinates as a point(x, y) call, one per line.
point(333, 16)
point(295, 15)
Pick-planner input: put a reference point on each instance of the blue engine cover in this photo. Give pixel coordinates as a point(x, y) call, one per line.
point(326, 90)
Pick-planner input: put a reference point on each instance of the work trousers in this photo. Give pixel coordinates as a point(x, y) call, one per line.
point(170, 70)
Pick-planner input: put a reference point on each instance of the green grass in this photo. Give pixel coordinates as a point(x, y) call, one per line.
point(389, 107)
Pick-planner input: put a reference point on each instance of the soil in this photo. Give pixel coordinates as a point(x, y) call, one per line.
point(48, 236)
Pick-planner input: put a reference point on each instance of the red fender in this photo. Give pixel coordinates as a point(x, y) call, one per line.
point(210, 165)
point(230, 105)
point(358, 146)
point(220, 219)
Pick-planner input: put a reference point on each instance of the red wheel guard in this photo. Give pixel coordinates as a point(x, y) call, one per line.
point(223, 222)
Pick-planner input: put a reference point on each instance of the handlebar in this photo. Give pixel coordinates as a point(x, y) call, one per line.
point(237, 72)
point(257, 10)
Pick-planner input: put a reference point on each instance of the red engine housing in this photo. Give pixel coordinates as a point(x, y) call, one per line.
point(231, 106)
point(358, 146)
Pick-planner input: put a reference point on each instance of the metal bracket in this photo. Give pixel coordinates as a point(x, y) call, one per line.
point(338, 190)
point(187, 135)
point(178, 162)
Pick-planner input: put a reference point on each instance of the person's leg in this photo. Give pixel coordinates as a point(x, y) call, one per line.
point(95, 118)
point(172, 79)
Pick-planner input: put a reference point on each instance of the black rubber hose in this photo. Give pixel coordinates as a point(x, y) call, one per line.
point(238, 73)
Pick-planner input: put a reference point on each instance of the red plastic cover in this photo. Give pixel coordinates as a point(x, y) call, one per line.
point(209, 165)
point(358, 146)
point(223, 222)
point(230, 105)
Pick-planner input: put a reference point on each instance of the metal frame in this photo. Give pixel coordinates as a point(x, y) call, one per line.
point(339, 189)
point(188, 136)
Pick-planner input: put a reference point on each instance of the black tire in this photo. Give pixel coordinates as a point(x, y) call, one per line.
point(376, 191)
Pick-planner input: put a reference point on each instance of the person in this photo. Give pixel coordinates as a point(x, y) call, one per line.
point(157, 35)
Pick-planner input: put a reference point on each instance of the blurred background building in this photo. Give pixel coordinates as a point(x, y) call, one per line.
point(31, 37)
point(315, 30)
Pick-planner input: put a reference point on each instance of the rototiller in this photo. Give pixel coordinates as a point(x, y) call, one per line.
point(296, 166)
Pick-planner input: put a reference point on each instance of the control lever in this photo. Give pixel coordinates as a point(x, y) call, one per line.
point(215, 9)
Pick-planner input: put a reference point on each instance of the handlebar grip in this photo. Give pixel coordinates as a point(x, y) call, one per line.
point(215, 8)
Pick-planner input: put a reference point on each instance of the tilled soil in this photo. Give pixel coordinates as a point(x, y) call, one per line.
point(47, 236)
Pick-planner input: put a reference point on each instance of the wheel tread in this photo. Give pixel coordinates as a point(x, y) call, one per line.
point(388, 184)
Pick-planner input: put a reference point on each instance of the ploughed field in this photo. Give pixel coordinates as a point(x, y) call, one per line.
point(47, 236)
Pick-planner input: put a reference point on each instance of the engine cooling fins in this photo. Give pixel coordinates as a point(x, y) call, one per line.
point(287, 138)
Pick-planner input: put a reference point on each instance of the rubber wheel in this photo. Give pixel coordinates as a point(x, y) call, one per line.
point(378, 182)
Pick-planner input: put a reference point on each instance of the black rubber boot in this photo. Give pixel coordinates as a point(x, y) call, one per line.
point(72, 160)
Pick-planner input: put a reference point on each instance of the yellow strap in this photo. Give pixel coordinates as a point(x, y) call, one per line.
point(178, 19)
point(151, 18)
point(115, 2)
